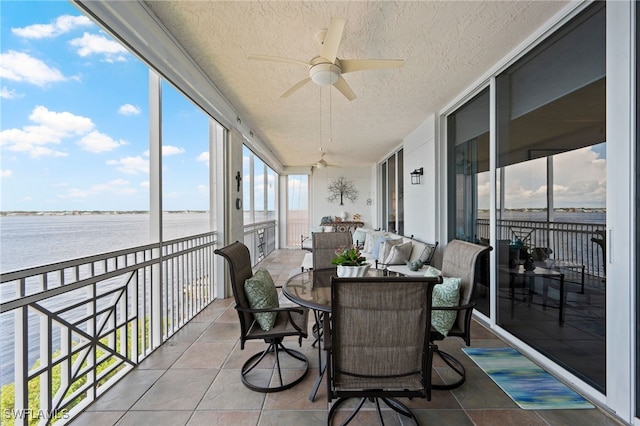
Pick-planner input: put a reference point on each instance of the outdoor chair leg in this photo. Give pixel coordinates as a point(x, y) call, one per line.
point(456, 366)
point(278, 349)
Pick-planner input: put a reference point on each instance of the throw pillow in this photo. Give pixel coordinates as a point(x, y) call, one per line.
point(328, 228)
point(370, 240)
point(432, 272)
point(380, 249)
point(426, 253)
point(446, 294)
point(315, 229)
point(359, 235)
point(399, 254)
point(262, 294)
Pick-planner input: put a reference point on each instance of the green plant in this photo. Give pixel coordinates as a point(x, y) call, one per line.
point(349, 256)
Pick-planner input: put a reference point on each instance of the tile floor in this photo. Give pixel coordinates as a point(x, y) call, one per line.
point(194, 379)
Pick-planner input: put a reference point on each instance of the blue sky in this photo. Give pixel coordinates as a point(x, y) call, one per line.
point(74, 128)
point(74, 119)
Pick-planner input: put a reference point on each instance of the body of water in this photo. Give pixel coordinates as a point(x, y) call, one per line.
point(27, 241)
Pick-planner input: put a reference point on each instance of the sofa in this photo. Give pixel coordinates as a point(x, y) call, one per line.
point(390, 251)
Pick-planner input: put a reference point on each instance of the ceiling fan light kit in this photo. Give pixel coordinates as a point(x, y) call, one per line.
point(324, 74)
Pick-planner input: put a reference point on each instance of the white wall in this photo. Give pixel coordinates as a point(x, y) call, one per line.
point(362, 180)
point(420, 201)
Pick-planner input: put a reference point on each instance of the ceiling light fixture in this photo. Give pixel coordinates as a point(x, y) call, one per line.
point(324, 74)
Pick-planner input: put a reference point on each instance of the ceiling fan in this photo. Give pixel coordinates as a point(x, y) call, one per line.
point(327, 69)
point(322, 163)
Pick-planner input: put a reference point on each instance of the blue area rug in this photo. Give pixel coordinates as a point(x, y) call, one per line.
point(528, 385)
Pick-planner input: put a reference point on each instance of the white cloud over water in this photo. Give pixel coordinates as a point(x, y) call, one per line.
point(114, 187)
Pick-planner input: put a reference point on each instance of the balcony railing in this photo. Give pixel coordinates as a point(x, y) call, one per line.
point(569, 242)
point(78, 326)
point(260, 238)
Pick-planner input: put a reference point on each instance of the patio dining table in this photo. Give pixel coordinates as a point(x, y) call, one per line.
point(312, 289)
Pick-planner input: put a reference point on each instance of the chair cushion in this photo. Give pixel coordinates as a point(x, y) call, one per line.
point(399, 254)
point(446, 294)
point(262, 294)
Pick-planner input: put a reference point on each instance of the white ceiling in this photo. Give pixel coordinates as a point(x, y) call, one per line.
point(446, 45)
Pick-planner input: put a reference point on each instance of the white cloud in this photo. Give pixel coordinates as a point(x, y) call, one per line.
point(61, 122)
point(97, 142)
point(203, 189)
point(6, 93)
point(90, 44)
point(131, 165)
point(203, 157)
point(168, 150)
point(145, 184)
point(50, 128)
point(115, 187)
point(20, 67)
point(61, 25)
point(5, 173)
point(575, 173)
point(128, 109)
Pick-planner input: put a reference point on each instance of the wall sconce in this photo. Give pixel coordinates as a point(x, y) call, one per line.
point(415, 176)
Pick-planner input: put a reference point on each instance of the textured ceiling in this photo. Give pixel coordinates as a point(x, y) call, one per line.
point(446, 45)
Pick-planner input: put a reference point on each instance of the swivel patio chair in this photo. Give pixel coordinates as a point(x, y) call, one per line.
point(379, 348)
point(466, 261)
point(325, 245)
point(289, 321)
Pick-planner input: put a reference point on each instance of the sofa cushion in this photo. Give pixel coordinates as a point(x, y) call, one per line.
point(262, 294)
point(359, 236)
point(399, 254)
point(446, 294)
point(384, 245)
point(370, 240)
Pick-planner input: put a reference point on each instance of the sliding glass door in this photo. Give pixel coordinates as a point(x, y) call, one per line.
point(551, 196)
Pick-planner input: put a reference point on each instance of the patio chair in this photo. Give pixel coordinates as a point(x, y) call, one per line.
point(325, 245)
point(324, 249)
point(289, 321)
point(466, 261)
point(379, 348)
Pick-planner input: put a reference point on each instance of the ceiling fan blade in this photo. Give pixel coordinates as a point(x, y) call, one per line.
point(296, 87)
point(344, 88)
point(351, 65)
point(277, 59)
point(332, 40)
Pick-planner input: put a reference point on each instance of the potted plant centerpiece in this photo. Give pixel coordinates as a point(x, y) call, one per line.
point(350, 262)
